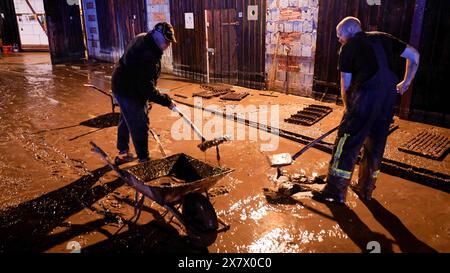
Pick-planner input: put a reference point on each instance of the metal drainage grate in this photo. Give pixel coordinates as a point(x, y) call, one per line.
point(203, 94)
point(213, 90)
point(235, 96)
point(217, 87)
point(394, 126)
point(310, 115)
point(427, 144)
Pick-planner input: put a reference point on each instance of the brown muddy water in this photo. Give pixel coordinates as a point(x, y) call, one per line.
point(55, 193)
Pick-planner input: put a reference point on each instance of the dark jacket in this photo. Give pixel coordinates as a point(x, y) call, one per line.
point(136, 74)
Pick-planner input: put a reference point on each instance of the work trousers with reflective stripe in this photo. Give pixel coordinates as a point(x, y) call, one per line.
point(365, 125)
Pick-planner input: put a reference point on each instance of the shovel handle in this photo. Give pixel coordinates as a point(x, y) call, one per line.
point(196, 130)
point(314, 142)
point(99, 90)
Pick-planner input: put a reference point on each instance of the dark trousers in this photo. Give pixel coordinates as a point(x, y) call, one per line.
point(365, 124)
point(367, 129)
point(133, 121)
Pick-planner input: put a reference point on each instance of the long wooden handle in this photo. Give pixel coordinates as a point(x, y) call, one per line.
point(314, 142)
point(99, 90)
point(158, 141)
point(196, 130)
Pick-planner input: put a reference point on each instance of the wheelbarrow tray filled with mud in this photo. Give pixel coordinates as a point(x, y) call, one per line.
point(170, 178)
point(173, 182)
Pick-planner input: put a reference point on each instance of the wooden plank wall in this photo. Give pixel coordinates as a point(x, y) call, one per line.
point(64, 30)
point(10, 28)
point(189, 53)
point(107, 31)
point(431, 83)
point(394, 17)
point(130, 20)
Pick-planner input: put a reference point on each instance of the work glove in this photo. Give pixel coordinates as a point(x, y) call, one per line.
point(172, 105)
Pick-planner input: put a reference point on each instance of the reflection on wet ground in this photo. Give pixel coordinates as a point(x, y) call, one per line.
point(53, 190)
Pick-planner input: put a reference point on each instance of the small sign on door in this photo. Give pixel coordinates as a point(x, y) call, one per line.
point(189, 20)
point(252, 13)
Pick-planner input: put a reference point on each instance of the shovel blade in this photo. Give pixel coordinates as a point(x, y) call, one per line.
point(279, 160)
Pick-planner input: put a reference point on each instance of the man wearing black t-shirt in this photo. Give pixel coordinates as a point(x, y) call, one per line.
point(368, 89)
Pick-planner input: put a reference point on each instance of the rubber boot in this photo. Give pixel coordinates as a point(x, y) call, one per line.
point(364, 188)
point(335, 190)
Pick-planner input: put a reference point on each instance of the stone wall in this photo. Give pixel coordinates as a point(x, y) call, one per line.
point(158, 11)
point(291, 44)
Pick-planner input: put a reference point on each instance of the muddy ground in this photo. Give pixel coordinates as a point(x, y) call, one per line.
point(54, 192)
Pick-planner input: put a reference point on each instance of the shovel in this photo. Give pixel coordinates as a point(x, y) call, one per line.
point(206, 144)
point(285, 159)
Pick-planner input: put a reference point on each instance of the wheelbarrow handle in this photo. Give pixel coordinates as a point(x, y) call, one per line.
point(104, 156)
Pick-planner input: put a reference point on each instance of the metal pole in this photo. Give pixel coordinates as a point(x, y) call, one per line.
point(207, 45)
point(416, 33)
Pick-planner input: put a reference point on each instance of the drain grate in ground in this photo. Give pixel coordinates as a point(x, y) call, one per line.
point(394, 126)
point(203, 94)
point(213, 90)
point(310, 115)
point(427, 144)
point(236, 96)
point(216, 87)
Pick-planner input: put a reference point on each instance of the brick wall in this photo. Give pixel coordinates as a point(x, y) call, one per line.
point(291, 44)
point(92, 36)
point(157, 11)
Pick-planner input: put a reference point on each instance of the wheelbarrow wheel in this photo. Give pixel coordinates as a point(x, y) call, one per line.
point(200, 219)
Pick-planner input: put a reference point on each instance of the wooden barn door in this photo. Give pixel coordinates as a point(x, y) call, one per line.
point(131, 20)
point(222, 45)
point(64, 30)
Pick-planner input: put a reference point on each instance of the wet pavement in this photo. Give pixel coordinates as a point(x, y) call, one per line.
point(55, 193)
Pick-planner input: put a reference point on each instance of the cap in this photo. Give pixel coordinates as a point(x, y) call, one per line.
point(167, 30)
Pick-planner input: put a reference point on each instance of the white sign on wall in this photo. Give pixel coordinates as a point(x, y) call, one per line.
point(189, 20)
point(73, 2)
point(252, 13)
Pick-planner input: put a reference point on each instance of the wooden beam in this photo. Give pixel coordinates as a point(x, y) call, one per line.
point(416, 33)
point(37, 17)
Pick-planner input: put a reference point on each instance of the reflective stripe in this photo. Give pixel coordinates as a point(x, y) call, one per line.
point(334, 170)
point(338, 153)
point(375, 174)
point(341, 173)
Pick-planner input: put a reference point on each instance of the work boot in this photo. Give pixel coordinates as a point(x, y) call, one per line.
point(144, 160)
point(124, 157)
point(335, 190)
point(365, 189)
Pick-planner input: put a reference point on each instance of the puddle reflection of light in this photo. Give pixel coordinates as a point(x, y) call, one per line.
point(290, 240)
point(277, 240)
point(255, 214)
point(256, 208)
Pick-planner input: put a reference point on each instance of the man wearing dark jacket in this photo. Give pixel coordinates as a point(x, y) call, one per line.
point(134, 82)
point(368, 88)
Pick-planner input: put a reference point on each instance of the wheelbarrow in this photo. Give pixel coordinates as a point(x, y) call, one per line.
point(173, 182)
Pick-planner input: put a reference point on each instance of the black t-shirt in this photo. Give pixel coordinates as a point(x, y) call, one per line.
point(357, 56)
